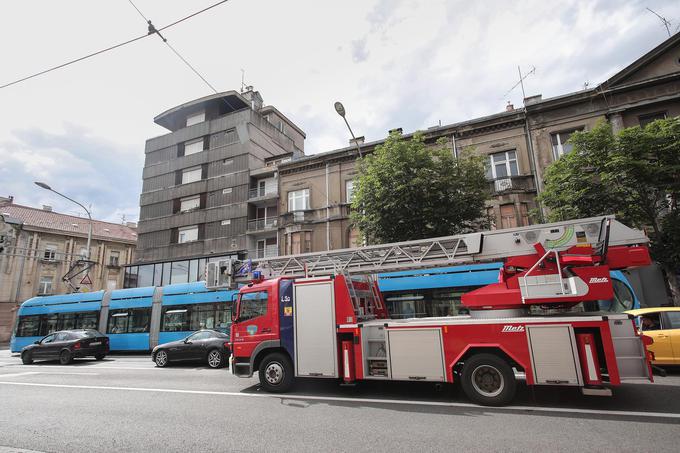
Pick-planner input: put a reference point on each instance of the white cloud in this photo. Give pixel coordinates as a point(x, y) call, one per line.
point(393, 63)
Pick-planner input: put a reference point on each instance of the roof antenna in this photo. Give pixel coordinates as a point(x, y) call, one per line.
point(663, 20)
point(243, 80)
point(521, 82)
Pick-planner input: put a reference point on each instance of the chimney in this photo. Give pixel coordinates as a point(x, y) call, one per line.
point(131, 224)
point(357, 141)
point(47, 208)
point(253, 97)
point(509, 107)
point(398, 130)
point(533, 99)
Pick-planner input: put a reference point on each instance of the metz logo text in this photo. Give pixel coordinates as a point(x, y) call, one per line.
point(598, 280)
point(512, 329)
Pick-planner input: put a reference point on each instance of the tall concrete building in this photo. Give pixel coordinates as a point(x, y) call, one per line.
point(210, 186)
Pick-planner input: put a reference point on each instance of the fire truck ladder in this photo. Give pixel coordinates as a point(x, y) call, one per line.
point(451, 250)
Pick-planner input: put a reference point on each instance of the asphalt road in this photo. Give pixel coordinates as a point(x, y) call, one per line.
point(124, 403)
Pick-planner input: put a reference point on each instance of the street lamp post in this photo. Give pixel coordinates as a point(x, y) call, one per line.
point(89, 233)
point(341, 111)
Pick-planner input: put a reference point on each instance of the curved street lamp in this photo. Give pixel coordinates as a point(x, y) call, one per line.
point(341, 111)
point(89, 233)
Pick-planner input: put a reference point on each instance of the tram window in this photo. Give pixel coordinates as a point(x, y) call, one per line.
point(87, 320)
point(623, 298)
point(129, 320)
point(67, 321)
point(175, 319)
point(48, 324)
point(29, 326)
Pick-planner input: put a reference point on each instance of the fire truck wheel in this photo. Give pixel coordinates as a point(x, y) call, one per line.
point(276, 373)
point(488, 380)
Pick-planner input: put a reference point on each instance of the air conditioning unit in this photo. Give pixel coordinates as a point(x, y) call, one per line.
point(219, 274)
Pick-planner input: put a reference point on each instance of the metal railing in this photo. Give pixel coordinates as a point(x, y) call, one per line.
point(270, 251)
point(263, 224)
point(512, 183)
point(258, 192)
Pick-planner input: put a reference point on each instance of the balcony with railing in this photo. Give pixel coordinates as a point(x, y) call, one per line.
point(262, 225)
point(510, 184)
point(270, 251)
point(262, 195)
point(336, 212)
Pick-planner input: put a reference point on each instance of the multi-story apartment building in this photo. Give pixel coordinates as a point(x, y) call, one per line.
point(40, 247)
point(210, 186)
point(518, 143)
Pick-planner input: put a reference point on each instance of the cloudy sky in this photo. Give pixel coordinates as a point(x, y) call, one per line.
point(393, 63)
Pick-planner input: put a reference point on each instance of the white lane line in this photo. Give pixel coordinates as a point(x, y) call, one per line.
point(28, 373)
point(556, 410)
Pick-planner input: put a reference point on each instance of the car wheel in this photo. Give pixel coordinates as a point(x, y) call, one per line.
point(488, 380)
point(26, 358)
point(215, 358)
point(161, 358)
point(276, 373)
point(65, 357)
point(99, 356)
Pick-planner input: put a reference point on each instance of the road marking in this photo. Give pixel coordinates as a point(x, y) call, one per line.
point(18, 374)
point(556, 410)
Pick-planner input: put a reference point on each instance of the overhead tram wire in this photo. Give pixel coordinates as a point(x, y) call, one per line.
point(85, 57)
point(153, 30)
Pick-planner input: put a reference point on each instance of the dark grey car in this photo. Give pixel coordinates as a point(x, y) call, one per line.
point(67, 345)
point(207, 346)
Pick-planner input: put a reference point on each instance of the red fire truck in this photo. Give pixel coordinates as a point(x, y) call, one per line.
point(321, 314)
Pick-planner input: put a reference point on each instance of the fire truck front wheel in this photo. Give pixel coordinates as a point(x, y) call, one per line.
point(276, 373)
point(488, 380)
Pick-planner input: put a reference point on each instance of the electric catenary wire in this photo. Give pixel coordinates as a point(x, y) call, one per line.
point(153, 30)
point(99, 52)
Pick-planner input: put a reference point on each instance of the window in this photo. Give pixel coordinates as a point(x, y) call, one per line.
point(300, 242)
point(193, 147)
point(226, 222)
point(188, 234)
point(349, 190)
point(227, 190)
point(559, 143)
point(180, 272)
point(29, 326)
point(623, 298)
point(195, 118)
point(253, 305)
point(200, 336)
point(193, 271)
point(674, 318)
point(502, 165)
point(298, 200)
point(189, 203)
point(145, 275)
point(49, 339)
point(191, 175)
point(175, 319)
point(651, 321)
point(50, 252)
point(114, 258)
point(129, 320)
point(63, 336)
point(45, 285)
point(650, 118)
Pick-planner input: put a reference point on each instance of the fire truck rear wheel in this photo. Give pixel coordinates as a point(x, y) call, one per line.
point(276, 373)
point(488, 380)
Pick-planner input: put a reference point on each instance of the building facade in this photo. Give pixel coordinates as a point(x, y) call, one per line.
point(519, 145)
point(41, 246)
point(210, 186)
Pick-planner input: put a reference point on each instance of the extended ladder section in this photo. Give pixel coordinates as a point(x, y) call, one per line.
point(437, 252)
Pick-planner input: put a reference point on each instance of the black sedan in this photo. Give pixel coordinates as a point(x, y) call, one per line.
point(209, 346)
point(67, 345)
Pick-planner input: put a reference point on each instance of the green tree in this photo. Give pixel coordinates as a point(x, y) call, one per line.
point(406, 190)
point(634, 174)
